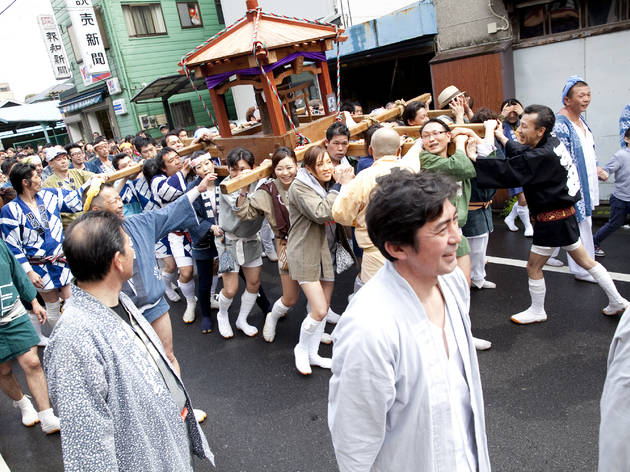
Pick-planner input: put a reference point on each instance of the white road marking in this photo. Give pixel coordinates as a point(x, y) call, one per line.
point(618, 276)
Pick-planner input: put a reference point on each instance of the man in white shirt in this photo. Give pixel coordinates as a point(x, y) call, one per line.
point(571, 128)
point(405, 393)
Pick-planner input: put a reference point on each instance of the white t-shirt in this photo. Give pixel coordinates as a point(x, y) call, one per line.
point(588, 149)
point(459, 395)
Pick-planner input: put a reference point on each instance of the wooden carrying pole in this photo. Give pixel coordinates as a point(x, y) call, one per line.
point(263, 171)
point(135, 168)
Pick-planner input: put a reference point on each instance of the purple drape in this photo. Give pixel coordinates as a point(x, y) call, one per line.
point(215, 80)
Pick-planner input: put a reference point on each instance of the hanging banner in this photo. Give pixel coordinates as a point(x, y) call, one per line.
point(54, 46)
point(88, 36)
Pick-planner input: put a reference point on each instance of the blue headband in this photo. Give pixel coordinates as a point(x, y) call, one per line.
point(571, 81)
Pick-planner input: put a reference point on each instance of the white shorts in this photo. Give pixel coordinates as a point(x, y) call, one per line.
point(180, 247)
point(255, 263)
point(548, 251)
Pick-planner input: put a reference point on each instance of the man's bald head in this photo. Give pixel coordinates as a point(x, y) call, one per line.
point(385, 142)
point(91, 243)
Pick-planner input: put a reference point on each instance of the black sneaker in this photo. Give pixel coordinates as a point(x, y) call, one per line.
point(599, 252)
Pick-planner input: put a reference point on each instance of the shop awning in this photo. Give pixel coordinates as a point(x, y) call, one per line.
point(165, 87)
point(82, 100)
point(17, 117)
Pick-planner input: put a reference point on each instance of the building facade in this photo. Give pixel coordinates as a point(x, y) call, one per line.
point(528, 49)
point(143, 40)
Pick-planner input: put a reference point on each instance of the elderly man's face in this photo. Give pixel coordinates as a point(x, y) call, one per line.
point(578, 99)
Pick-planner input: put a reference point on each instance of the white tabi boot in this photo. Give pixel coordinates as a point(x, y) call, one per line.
point(43, 340)
point(29, 414)
point(48, 421)
point(223, 319)
point(188, 291)
point(247, 302)
point(523, 214)
point(616, 303)
point(509, 220)
point(278, 311)
point(313, 356)
point(53, 312)
point(536, 312)
point(309, 332)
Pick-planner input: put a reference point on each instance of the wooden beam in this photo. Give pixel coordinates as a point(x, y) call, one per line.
point(259, 173)
point(414, 131)
point(257, 84)
point(273, 106)
point(325, 86)
point(220, 112)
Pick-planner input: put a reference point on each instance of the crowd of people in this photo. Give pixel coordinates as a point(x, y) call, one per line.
point(104, 256)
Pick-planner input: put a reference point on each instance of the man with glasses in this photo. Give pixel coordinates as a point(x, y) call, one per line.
point(64, 177)
point(76, 155)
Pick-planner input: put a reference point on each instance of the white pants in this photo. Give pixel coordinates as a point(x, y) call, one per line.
point(586, 235)
point(478, 246)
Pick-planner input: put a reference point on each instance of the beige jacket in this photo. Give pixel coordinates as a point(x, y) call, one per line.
point(350, 206)
point(310, 208)
point(259, 203)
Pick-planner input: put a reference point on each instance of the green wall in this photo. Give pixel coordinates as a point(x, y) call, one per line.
point(138, 61)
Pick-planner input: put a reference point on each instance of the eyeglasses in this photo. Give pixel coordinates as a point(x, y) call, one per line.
point(427, 136)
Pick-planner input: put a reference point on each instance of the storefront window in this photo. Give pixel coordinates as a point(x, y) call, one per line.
point(189, 15)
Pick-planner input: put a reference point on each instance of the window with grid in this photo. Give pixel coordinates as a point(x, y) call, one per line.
point(144, 19)
point(543, 17)
point(182, 114)
point(189, 14)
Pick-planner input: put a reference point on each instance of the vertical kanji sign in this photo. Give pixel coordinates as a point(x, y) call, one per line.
point(54, 46)
point(88, 35)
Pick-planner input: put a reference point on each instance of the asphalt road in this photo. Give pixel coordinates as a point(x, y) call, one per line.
point(542, 383)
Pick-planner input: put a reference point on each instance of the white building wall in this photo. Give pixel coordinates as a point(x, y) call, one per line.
point(235, 9)
point(540, 73)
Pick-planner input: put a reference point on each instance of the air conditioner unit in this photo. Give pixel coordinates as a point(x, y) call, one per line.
point(144, 121)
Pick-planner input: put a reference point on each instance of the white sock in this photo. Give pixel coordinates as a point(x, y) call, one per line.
point(603, 278)
point(513, 212)
point(53, 310)
point(224, 304)
point(279, 309)
point(247, 302)
point(187, 289)
point(523, 214)
point(215, 281)
point(537, 291)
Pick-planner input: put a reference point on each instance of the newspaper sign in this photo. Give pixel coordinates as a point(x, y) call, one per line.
point(54, 46)
point(88, 36)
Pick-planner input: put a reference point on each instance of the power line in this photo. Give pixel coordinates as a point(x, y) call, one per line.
point(7, 7)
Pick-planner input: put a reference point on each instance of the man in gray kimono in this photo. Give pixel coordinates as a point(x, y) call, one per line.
point(122, 405)
point(405, 392)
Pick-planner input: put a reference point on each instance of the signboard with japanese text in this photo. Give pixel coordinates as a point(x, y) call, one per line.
point(88, 36)
point(54, 46)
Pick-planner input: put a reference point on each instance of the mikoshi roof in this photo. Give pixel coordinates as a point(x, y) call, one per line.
point(273, 32)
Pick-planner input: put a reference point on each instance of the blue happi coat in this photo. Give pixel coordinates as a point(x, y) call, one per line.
point(564, 131)
point(35, 240)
